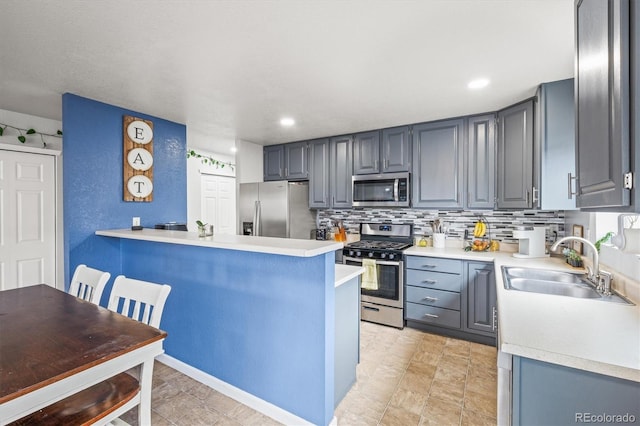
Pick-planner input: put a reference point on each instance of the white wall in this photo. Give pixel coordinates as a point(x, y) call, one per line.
point(249, 162)
point(34, 144)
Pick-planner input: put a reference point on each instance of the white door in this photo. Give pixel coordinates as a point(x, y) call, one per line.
point(218, 201)
point(27, 219)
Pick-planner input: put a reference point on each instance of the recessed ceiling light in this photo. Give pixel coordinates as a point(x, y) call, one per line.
point(234, 149)
point(287, 122)
point(478, 84)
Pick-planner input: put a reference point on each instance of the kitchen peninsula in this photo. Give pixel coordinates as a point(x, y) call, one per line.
point(256, 313)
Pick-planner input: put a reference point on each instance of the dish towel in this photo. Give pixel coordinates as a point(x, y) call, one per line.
point(370, 276)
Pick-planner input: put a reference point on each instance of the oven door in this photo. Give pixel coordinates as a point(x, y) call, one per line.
point(390, 283)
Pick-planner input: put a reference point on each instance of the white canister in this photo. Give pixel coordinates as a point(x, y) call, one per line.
point(438, 240)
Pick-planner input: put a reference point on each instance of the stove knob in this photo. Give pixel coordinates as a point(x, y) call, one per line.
point(358, 254)
point(370, 254)
point(391, 256)
point(351, 253)
point(384, 255)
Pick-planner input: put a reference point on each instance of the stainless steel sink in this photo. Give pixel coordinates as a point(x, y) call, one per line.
point(557, 283)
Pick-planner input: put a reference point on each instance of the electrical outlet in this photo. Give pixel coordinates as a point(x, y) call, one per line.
point(136, 221)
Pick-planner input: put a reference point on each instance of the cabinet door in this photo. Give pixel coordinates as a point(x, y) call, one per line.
point(481, 297)
point(319, 173)
point(438, 164)
point(515, 156)
point(481, 178)
point(296, 161)
point(396, 150)
point(273, 162)
point(556, 121)
point(366, 153)
point(341, 169)
point(602, 107)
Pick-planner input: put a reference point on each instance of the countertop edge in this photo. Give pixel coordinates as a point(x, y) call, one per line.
point(268, 245)
point(345, 273)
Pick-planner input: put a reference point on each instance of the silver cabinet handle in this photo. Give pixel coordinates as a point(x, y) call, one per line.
point(430, 299)
point(536, 192)
point(429, 281)
point(430, 315)
point(570, 192)
point(375, 164)
point(494, 320)
point(429, 266)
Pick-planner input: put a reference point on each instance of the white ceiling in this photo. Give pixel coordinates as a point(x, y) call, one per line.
point(231, 69)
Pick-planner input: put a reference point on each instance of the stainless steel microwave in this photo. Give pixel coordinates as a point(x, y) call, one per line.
point(384, 190)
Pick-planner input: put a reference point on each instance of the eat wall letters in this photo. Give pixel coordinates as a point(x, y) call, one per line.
point(138, 159)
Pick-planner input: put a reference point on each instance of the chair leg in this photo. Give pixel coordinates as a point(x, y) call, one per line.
point(146, 383)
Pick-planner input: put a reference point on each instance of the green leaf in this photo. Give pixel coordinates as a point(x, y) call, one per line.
point(1, 131)
point(31, 131)
point(22, 139)
point(59, 132)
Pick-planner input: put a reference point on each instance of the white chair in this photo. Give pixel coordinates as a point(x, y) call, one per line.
point(104, 402)
point(141, 300)
point(88, 283)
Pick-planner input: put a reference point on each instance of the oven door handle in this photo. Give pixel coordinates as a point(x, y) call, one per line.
point(378, 262)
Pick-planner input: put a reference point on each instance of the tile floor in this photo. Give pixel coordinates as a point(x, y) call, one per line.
point(405, 377)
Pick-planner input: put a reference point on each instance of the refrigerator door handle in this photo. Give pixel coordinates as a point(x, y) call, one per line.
point(256, 219)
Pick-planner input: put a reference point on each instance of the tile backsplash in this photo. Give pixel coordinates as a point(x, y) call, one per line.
point(501, 223)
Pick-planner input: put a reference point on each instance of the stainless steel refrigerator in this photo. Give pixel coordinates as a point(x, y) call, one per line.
point(276, 209)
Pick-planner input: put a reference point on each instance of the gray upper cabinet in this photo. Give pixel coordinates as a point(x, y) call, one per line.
point(603, 113)
point(396, 150)
point(438, 155)
point(515, 157)
point(319, 173)
point(481, 180)
point(386, 151)
point(555, 117)
point(340, 171)
point(366, 153)
point(287, 161)
point(296, 161)
point(273, 156)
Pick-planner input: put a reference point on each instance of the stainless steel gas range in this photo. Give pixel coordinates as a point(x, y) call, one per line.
point(380, 248)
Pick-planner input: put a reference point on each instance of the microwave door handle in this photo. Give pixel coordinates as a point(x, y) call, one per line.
point(257, 231)
point(396, 190)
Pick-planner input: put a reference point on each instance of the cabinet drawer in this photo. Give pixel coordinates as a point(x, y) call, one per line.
point(427, 296)
point(435, 280)
point(432, 315)
point(451, 266)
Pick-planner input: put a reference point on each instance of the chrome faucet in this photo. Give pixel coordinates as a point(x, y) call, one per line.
point(601, 279)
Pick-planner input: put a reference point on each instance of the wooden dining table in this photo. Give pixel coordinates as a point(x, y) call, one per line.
point(53, 345)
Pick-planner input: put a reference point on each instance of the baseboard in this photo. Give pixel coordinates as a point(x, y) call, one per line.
point(231, 391)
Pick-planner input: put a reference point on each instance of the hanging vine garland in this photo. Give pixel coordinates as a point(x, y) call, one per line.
point(207, 159)
point(31, 131)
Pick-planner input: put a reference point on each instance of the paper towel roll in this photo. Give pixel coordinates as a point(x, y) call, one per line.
point(632, 240)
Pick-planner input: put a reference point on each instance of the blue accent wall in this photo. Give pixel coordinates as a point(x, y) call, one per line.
point(93, 182)
point(261, 322)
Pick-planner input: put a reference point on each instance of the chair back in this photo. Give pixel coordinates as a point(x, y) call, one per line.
point(88, 283)
point(141, 300)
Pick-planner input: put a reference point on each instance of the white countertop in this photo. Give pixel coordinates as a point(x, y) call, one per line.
point(345, 273)
point(587, 334)
point(271, 245)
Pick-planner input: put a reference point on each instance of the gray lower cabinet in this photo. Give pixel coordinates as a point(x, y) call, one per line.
point(481, 298)
point(452, 297)
point(515, 157)
point(438, 164)
point(287, 161)
point(550, 394)
point(605, 114)
point(319, 173)
point(481, 148)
